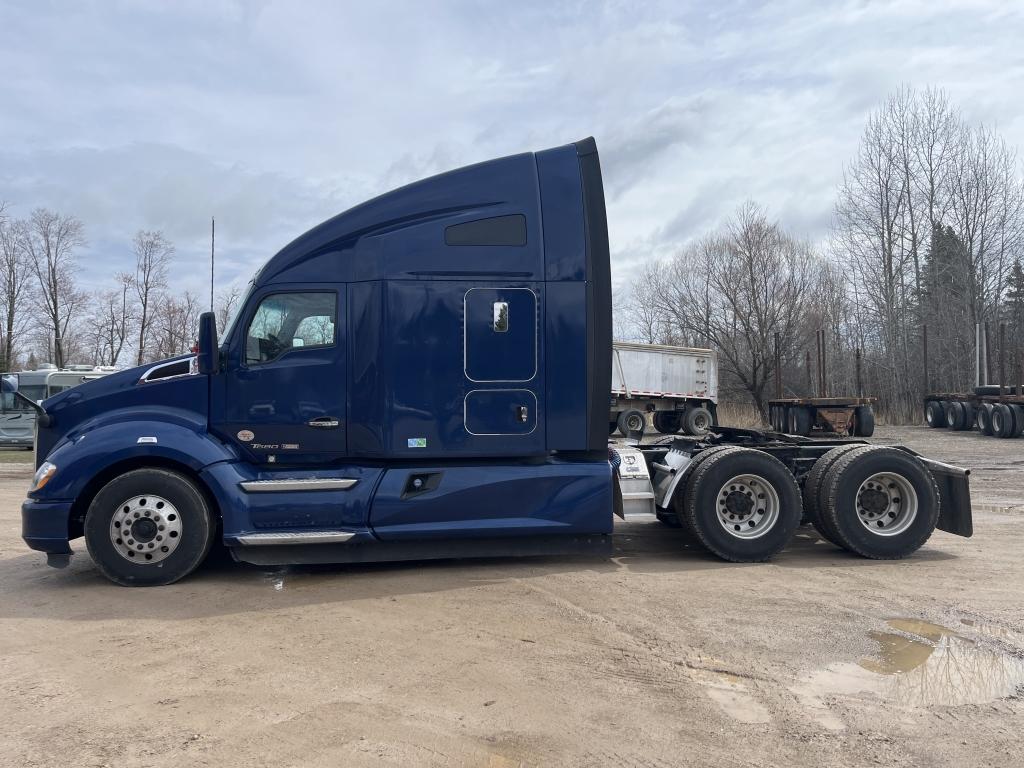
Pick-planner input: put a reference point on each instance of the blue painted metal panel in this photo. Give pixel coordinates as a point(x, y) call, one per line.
point(561, 196)
point(267, 408)
point(501, 412)
point(495, 355)
point(485, 500)
point(424, 358)
point(566, 366)
point(401, 234)
point(247, 512)
point(369, 364)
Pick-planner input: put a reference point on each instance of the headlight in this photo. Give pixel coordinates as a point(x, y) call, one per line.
point(42, 477)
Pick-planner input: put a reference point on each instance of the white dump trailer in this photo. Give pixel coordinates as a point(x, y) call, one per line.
point(678, 386)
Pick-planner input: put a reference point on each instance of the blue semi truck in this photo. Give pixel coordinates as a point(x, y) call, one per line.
point(426, 376)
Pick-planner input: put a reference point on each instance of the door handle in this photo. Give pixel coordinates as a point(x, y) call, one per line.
point(324, 422)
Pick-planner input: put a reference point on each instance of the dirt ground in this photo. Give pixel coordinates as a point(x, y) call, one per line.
point(662, 656)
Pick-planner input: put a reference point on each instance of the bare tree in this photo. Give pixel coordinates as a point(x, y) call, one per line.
point(227, 305)
point(51, 240)
point(175, 326)
point(152, 258)
point(111, 321)
point(15, 289)
point(734, 290)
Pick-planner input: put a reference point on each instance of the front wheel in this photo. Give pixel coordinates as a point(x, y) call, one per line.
point(148, 527)
point(743, 505)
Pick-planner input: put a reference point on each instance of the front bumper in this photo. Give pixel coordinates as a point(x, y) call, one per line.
point(44, 525)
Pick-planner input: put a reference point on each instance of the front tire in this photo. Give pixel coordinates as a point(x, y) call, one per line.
point(148, 527)
point(743, 505)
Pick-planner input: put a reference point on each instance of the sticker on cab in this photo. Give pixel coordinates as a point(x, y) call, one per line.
point(245, 436)
point(417, 442)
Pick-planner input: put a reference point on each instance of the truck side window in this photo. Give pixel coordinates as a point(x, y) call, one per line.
point(285, 321)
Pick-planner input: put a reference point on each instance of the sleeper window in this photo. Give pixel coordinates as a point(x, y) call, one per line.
point(286, 321)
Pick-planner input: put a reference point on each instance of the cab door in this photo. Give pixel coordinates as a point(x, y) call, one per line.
point(282, 391)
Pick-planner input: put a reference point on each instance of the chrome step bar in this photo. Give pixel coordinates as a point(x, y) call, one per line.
point(298, 484)
point(276, 538)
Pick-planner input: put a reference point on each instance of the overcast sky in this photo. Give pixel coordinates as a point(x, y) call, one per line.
point(273, 116)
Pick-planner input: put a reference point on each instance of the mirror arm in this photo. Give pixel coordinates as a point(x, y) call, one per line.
point(42, 416)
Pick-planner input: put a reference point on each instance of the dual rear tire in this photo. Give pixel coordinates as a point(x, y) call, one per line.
point(877, 502)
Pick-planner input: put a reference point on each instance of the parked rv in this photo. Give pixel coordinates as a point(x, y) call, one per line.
point(17, 418)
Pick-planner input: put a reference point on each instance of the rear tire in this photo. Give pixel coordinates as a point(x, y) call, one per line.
point(698, 421)
point(1018, 419)
point(148, 527)
point(666, 422)
point(934, 414)
point(863, 421)
point(743, 505)
point(811, 492)
point(631, 421)
point(882, 503)
point(955, 415)
point(1003, 422)
point(800, 421)
point(985, 419)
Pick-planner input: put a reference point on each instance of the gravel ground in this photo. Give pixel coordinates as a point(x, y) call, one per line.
point(662, 656)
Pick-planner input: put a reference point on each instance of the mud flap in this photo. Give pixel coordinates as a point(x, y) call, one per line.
point(954, 497)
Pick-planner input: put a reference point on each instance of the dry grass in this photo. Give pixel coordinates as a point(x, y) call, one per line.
point(739, 415)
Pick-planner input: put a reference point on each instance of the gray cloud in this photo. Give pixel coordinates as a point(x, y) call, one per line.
point(273, 115)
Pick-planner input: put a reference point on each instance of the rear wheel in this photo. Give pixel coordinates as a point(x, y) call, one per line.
point(1018, 419)
point(882, 503)
point(743, 505)
point(1003, 421)
point(666, 422)
point(697, 421)
point(863, 421)
point(811, 491)
point(631, 421)
point(935, 414)
point(955, 414)
point(985, 419)
point(148, 527)
point(801, 419)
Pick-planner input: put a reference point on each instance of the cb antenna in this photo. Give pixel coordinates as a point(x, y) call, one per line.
point(213, 239)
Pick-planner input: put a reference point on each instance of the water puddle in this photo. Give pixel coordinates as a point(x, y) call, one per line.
point(922, 664)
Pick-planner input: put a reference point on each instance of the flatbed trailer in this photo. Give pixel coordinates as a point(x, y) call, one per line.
point(830, 415)
point(992, 413)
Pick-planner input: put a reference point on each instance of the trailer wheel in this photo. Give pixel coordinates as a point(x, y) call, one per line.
point(801, 419)
point(697, 421)
point(967, 423)
point(811, 491)
point(1003, 421)
point(631, 421)
point(934, 414)
point(148, 527)
point(666, 422)
point(1018, 419)
point(863, 421)
point(882, 503)
point(985, 419)
point(955, 415)
point(742, 504)
point(612, 426)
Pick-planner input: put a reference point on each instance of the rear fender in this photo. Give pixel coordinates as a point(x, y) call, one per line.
point(954, 497)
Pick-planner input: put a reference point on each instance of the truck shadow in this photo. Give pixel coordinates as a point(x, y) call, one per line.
point(221, 587)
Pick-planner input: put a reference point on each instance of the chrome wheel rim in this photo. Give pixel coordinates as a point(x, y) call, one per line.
point(747, 506)
point(886, 504)
point(145, 529)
